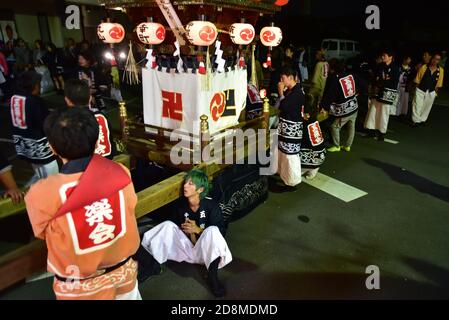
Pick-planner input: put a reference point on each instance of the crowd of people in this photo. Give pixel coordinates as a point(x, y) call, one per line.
point(22, 73)
point(74, 216)
point(74, 60)
point(330, 100)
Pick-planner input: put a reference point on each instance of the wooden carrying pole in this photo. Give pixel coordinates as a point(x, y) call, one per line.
point(204, 135)
point(124, 130)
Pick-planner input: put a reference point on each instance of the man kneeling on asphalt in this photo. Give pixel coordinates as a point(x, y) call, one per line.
point(194, 235)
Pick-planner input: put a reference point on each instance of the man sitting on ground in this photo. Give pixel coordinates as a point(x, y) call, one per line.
point(194, 235)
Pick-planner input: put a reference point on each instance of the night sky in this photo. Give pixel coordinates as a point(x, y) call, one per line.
point(405, 25)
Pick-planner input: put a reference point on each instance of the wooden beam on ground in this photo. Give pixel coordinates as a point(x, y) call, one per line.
point(7, 208)
point(124, 159)
point(159, 195)
point(22, 263)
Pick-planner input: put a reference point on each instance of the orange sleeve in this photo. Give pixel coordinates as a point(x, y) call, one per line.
point(39, 216)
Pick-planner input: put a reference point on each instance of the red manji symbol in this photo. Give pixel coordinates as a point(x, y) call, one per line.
point(217, 105)
point(116, 33)
point(160, 33)
point(172, 105)
point(316, 137)
point(207, 34)
point(269, 36)
point(97, 225)
point(104, 147)
point(18, 112)
point(348, 86)
point(247, 34)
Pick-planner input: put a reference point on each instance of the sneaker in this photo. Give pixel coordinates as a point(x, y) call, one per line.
point(347, 149)
point(334, 149)
point(310, 176)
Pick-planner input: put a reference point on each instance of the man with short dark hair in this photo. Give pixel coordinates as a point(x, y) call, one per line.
point(28, 113)
point(85, 214)
point(287, 155)
point(195, 234)
point(386, 83)
point(428, 81)
point(340, 101)
point(77, 94)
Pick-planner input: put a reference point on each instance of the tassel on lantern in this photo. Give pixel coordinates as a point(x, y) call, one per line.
point(151, 60)
point(242, 63)
point(267, 64)
point(202, 66)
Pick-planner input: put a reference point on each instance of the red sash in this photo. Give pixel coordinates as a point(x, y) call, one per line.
point(101, 179)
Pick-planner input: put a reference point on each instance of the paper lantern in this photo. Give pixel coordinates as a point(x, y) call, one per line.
point(281, 3)
point(242, 33)
point(201, 33)
point(151, 33)
point(110, 32)
point(271, 36)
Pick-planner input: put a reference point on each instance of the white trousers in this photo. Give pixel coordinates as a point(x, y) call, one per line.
point(132, 295)
point(422, 105)
point(42, 171)
point(167, 241)
point(288, 167)
point(402, 105)
point(377, 116)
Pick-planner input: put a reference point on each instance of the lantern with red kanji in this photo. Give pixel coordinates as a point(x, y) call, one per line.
point(201, 33)
point(151, 33)
point(242, 33)
point(271, 36)
point(110, 32)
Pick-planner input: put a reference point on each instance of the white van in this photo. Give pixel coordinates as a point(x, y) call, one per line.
point(340, 48)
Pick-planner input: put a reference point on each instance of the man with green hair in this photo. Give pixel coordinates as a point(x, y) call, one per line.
point(194, 234)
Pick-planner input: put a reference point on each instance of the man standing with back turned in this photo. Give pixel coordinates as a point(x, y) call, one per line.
point(85, 214)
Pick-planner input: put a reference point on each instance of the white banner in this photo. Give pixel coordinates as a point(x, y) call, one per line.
point(177, 100)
